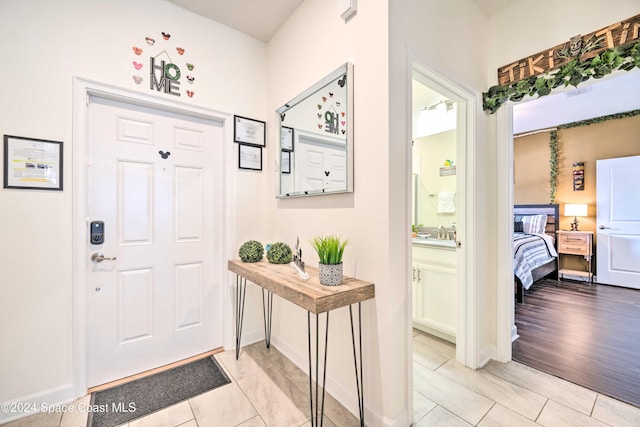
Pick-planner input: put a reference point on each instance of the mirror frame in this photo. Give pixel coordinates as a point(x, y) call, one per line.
point(345, 69)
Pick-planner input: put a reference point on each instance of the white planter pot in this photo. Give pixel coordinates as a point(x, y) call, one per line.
point(330, 274)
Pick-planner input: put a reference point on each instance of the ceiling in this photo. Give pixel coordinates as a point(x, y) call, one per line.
point(263, 18)
point(258, 18)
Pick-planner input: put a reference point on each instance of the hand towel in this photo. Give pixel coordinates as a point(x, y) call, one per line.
point(446, 202)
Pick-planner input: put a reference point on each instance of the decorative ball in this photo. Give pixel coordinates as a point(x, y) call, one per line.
point(279, 253)
point(251, 251)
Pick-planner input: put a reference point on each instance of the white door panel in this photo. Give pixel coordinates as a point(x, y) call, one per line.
point(618, 221)
point(154, 178)
point(320, 164)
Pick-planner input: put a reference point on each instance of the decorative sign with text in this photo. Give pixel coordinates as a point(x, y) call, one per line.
point(166, 64)
point(332, 115)
point(582, 47)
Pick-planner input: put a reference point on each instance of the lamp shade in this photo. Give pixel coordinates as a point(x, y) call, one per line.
point(575, 209)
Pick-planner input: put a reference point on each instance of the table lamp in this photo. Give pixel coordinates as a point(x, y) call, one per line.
point(575, 210)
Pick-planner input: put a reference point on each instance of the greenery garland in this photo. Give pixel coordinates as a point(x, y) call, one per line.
point(600, 119)
point(625, 57)
point(553, 145)
point(553, 165)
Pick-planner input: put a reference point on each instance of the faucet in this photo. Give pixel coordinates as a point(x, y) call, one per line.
point(442, 233)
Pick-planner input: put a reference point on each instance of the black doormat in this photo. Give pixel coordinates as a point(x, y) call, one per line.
point(123, 403)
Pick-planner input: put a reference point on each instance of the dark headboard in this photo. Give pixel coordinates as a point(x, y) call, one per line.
point(552, 211)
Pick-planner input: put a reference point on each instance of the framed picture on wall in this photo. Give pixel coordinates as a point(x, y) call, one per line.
point(249, 131)
point(286, 138)
point(285, 161)
point(250, 157)
point(31, 163)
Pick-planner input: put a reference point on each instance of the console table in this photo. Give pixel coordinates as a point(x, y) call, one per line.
point(283, 281)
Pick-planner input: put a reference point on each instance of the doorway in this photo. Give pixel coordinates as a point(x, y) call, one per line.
point(435, 213)
point(593, 99)
point(151, 173)
point(153, 296)
point(459, 269)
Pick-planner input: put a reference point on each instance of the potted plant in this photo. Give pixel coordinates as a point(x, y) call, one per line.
point(279, 253)
point(251, 251)
point(330, 250)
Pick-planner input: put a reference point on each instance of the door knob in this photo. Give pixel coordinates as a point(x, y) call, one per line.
point(602, 227)
point(98, 257)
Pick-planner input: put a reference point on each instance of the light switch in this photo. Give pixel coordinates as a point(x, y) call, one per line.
point(348, 8)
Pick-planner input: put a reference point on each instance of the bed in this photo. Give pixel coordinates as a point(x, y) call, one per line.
point(534, 244)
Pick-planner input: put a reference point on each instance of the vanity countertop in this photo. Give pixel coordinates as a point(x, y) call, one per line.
point(434, 242)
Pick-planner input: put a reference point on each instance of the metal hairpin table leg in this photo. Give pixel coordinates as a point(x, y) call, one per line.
point(267, 311)
point(359, 383)
point(241, 287)
point(317, 414)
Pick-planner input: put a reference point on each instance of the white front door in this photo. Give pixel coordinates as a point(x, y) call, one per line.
point(154, 179)
point(618, 221)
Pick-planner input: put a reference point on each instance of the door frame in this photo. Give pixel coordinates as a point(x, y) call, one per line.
point(82, 89)
point(467, 351)
point(505, 317)
point(506, 330)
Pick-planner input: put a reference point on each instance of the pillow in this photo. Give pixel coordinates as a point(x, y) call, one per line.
point(518, 227)
point(533, 224)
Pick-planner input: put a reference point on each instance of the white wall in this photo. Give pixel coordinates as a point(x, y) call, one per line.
point(530, 26)
point(44, 45)
point(432, 151)
point(313, 42)
point(375, 217)
point(447, 38)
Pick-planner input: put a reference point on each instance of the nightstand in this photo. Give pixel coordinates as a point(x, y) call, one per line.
point(576, 243)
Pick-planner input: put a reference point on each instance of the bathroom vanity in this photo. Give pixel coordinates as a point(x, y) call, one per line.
point(434, 281)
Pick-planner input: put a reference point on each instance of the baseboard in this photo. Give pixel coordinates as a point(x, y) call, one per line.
point(446, 333)
point(37, 402)
point(347, 398)
point(514, 333)
point(400, 420)
point(249, 338)
point(486, 354)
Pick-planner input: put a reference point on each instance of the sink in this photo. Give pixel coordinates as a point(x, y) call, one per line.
point(432, 241)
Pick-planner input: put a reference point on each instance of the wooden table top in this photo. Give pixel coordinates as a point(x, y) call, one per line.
point(282, 280)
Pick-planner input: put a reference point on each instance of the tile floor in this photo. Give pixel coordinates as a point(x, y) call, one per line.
point(269, 390)
point(446, 393)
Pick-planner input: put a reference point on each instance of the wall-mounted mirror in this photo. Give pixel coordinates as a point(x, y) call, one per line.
point(316, 138)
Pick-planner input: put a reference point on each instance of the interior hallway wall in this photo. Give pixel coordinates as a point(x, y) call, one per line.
point(424, 32)
point(375, 217)
point(311, 44)
point(44, 45)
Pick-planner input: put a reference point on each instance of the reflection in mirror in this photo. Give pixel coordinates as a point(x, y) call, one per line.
point(316, 138)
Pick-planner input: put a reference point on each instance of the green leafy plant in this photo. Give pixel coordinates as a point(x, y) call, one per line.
point(553, 166)
point(251, 251)
point(279, 253)
point(574, 72)
point(329, 249)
